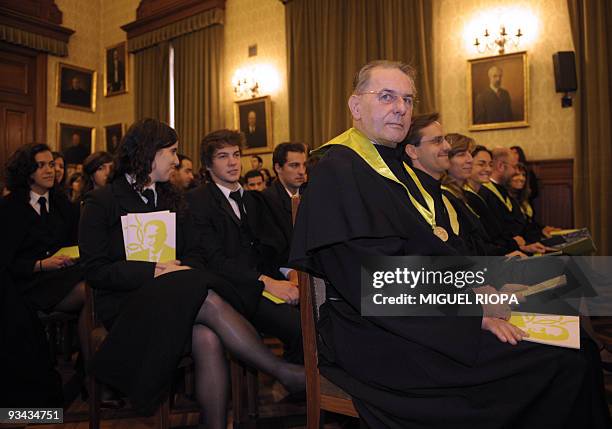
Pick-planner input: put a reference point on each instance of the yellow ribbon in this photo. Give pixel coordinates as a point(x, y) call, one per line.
point(452, 214)
point(468, 188)
point(491, 187)
point(527, 209)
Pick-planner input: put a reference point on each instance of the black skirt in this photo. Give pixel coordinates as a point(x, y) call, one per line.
point(49, 288)
point(149, 337)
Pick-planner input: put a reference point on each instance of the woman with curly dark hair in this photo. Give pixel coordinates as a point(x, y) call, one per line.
point(42, 221)
point(156, 312)
point(97, 169)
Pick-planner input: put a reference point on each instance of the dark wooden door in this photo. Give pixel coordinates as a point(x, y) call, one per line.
point(23, 98)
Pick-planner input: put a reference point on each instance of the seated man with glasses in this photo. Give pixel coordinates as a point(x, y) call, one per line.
point(417, 372)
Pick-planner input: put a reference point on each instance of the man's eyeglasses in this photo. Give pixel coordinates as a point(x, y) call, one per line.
point(436, 140)
point(388, 97)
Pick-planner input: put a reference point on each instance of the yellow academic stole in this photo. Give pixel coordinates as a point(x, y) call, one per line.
point(506, 201)
point(527, 209)
point(362, 146)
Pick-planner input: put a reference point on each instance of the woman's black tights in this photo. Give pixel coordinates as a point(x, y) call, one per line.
point(219, 326)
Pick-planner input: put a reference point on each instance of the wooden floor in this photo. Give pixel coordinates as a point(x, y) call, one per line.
point(272, 414)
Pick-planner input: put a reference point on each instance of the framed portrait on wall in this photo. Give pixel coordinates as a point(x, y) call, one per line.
point(254, 119)
point(76, 87)
point(116, 70)
point(113, 135)
point(75, 142)
point(498, 92)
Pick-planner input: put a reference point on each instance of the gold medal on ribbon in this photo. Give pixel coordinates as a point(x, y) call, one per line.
point(440, 233)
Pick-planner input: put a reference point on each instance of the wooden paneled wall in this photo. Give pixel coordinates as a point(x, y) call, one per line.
point(555, 203)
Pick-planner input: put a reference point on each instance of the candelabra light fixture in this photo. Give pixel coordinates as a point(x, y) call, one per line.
point(489, 42)
point(245, 84)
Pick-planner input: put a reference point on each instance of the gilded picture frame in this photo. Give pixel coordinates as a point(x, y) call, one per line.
point(253, 118)
point(112, 136)
point(76, 87)
point(498, 92)
point(116, 73)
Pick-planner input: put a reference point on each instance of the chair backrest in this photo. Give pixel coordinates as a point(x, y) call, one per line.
point(309, 313)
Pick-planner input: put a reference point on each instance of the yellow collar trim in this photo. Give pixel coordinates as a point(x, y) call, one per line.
point(506, 201)
point(362, 146)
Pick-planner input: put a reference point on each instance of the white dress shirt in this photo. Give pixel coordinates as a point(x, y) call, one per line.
point(131, 181)
point(34, 201)
point(233, 204)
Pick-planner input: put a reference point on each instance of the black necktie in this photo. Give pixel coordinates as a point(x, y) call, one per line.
point(150, 196)
point(44, 213)
point(238, 198)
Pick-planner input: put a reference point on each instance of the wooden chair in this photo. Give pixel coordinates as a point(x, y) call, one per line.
point(321, 394)
point(59, 328)
point(97, 334)
point(244, 381)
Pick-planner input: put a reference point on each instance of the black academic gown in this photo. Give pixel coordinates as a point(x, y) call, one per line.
point(28, 376)
point(31, 238)
point(150, 319)
point(419, 372)
point(511, 220)
point(491, 223)
point(471, 230)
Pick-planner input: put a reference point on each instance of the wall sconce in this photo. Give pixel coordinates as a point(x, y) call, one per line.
point(245, 83)
point(256, 80)
point(489, 43)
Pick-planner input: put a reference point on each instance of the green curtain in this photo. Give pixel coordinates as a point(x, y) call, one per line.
point(198, 69)
point(327, 43)
point(152, 82)
point(591, 21)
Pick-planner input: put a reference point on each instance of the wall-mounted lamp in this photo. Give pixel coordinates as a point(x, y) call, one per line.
point(255, 80)
point(492, 43)
point(245, 83)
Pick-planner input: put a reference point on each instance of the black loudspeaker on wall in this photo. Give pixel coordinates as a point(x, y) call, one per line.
point(564, 63)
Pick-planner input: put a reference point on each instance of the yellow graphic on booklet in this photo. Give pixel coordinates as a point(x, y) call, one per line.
point(149, 237)
point(71, 252)
point(551, 329)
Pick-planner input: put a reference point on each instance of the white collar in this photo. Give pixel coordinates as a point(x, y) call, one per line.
point(226, 191)
point(34, 197)
point(131, 180)
point(495, 90)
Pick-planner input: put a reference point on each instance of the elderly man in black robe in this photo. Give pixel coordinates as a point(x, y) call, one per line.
point(417, 372)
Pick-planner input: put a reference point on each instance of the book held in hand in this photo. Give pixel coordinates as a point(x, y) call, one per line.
point(71, 252)
point(149, 237)
point(551, 329)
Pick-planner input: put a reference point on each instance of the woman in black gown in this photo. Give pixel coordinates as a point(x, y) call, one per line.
point(42, 221)
point(156, 312)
